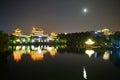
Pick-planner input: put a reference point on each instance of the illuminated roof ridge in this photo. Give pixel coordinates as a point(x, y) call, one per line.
point(37, 31)
point(17, 31)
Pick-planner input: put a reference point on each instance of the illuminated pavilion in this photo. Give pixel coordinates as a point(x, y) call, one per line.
point(37, 36)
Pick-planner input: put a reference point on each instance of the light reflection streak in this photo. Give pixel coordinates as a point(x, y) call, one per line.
point(84, 73)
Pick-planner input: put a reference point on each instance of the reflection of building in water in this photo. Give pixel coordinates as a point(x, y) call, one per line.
point(89, 52)
point(106, 55)
point(36, 53)
point(20, 50)
point(17, 55)
point(52, 51)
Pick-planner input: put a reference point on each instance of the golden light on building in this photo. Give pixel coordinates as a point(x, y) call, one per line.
point(37, 31)
point(17, 32)
point(106, 32)
point(89, 42)
point(53, 35)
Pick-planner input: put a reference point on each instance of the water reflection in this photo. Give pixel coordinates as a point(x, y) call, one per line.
point(36, 55)
point(36, 52)
point(17, 55)
point(89, 52)
point(115, 57)
point(66, 65)
point(84, 73)
point(106, 55)
point(52, 51)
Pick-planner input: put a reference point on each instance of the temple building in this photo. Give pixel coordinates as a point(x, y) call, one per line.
point(106, 32)
point(37, 36)
point(37, 31)
point(53, 34)
point(17, 32)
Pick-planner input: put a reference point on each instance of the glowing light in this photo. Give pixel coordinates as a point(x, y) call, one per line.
point(36, 56)
point(18, 47)
point(32, 47)
point(85, 10)
point(84, 73)
point(65, 33)
point(96, 32)
point(96, 54)
point(89, 52)
point(89, 42)
point(49, 48)
point(53, 52)
point(33, 40)
point(40, 36)
point(28, 49)
point(23, 47)
point(17, 55)
point(18, 40)
point(39, 51)
point(48, 39)
point(23, 40)
point(106, 55)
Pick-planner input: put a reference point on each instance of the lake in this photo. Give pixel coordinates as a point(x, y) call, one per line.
point(60, 63)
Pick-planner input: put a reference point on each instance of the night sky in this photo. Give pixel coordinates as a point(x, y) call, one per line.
point(59, 15)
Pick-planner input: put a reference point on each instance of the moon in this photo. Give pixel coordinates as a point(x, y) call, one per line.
point(85, 10)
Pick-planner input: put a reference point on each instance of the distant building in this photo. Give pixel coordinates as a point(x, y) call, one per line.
point(17, 32)
point(106, 32)
point(37, 35)
point(53, 35)
point(37, 31)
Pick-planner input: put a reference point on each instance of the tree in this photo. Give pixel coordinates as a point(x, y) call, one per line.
point(4, 41)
